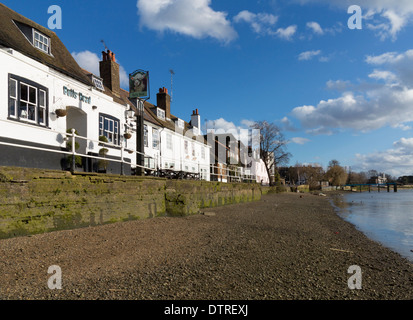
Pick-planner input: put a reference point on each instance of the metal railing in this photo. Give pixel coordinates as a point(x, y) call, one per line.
point(178, 169)
point(230, 174)
point(72, 137)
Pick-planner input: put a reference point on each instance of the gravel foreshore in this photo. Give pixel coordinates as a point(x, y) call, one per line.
point(284, 247)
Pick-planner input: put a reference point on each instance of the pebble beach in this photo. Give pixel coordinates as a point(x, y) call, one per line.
point(287, 246)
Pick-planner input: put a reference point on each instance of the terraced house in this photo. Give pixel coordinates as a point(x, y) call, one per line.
point(45, 94)
point(174, 148)
point(56, 115)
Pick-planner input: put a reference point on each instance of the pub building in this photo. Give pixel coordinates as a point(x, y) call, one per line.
point(50, 97)
point(48, 94)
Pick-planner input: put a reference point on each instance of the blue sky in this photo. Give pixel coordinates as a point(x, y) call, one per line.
point(337, 93)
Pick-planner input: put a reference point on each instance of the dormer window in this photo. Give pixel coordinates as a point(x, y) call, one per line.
point(161, 114)
point(41, 42)
point(181, 123)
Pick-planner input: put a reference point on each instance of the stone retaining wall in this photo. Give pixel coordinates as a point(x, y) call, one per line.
point(34, 201)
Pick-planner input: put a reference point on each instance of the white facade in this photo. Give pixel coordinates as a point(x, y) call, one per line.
point(85, 107)
point(175, 151)
point(45, 94)
point(260, 172)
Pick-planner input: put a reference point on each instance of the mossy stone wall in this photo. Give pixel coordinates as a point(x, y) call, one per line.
point(34, 201)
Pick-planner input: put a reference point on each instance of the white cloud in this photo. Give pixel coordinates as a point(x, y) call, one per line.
point(287, 125)
point(193, 18)
point(308, 55)
point(264, 23)
point(386, 18)
point(315, 27)
point(378, 108)
point(383, 75)
point(221, 126)
point(286, 33)
point(299, 140)
point(396, 161)
point(374, 105)
point(388, 57)
point(90, 62)
point(401, 63)
point(402, 127)
point(261, 23)
point(247, 123)
point(338, 85)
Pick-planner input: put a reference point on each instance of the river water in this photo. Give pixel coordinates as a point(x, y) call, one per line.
point(384, 217)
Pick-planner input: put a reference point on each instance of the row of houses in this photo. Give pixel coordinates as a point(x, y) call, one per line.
point(62, 117)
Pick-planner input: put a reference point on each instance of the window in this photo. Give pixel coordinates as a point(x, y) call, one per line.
point(193, 149)
point(109, 127)
point(169, 144)
point(155, 138)
point(41, 42)
point(203, 153)
point(145, 135)
point(181, 123)
point(161, 114)
point(41, 112)
point(13, 98)
point(27, 101)
point(186, 146)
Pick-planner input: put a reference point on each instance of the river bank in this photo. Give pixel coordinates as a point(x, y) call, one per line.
point(285, 247)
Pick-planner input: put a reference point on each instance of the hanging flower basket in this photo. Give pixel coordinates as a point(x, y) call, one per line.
point(61, 113)
point(127, 135)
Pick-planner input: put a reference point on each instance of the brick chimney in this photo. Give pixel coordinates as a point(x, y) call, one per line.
point(109, 72)
point(196, 119)
point(163, 101)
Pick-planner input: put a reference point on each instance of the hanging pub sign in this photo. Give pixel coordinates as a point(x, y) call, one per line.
point(139, 84)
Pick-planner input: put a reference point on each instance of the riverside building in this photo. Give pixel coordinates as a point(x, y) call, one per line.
point(45, 94)
point(56, 115)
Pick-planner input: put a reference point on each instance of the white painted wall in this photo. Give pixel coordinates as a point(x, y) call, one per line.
point(173, 153)
point(12, 62)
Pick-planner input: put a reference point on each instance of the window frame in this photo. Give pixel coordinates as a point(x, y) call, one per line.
point(146, 136)
point(156, 139)
point(160, 113)
point(116, 128)
point(37, 104)
point(41, 42)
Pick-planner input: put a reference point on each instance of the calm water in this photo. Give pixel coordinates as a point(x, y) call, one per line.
point(384, 217)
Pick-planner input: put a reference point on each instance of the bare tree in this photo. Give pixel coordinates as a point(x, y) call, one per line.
point(273, 147)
